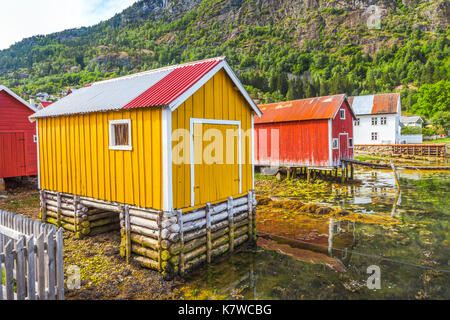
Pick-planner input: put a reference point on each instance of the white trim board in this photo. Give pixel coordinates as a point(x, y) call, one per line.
point(192, 121)
point(167, 159)
point(223, 64)
point(340, 105)
point(112, 142)
point(339, 142)
point(11, 93)
point(38, 156)
point(330, 141)
point(253, 154)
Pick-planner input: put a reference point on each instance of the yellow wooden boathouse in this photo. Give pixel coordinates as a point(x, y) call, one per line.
point(136, 146)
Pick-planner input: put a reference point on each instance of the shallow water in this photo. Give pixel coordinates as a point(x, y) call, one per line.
point(329, 259)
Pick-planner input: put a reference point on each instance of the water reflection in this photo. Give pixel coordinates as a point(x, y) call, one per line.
point(302, 257)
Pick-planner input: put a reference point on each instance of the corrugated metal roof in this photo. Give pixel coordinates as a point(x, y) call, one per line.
point(375, 104)
point(150, 88)
point(102, 96)
point(304, 109)
point(412, 119)
point(173, 85)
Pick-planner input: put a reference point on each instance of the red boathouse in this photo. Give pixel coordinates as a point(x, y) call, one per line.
point(314, 132)
point(18, 150)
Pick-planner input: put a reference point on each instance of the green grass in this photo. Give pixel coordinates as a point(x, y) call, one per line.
point(365, 158)
point(263, 177)
point(445, 140)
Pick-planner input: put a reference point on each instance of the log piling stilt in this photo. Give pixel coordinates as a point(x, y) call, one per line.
point(231, 222)
point(171, 242)
point(208, 233)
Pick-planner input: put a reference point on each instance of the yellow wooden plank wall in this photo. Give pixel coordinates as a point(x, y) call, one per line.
point(219, 181)
point(217, 99)
point(75, 157)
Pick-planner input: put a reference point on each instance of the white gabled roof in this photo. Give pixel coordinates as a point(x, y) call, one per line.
point(412, 119)
point(11, 93)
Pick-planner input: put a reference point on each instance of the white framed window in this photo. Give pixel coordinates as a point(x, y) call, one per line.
point(374, 136)
point(120, 134)
point(383, 120)
point(35, 139)
point(350, 142)
point(374, 121)
point(335, 143)
point(342, 112)
point(356, 122)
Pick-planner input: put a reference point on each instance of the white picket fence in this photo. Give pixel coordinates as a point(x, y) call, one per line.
point(31, 259)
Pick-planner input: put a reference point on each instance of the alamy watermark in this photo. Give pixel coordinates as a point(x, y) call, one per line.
point(73, 277)
point(374, 280)
point(374, 17)
point(225, 146)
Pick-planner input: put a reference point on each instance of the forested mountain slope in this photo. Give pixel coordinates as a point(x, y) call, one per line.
point(280, 49)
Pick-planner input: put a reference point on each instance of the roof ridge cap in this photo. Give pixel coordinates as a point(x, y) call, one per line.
point(157, 70)
point(280, 102)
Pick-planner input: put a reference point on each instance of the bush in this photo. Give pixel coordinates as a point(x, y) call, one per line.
point(411, 130)
point(428, 132)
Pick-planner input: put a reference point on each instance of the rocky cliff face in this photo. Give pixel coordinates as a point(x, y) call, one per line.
point(306, 18)
point(306, 38)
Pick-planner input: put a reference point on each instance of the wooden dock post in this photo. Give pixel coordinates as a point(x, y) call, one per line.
point(231, 222)
point(180, 222)
point(346, 171)
point(351, 171)
point(126, 214)
point(308, 175)
point(58, 208)
point(76, 202)
point(43, 206)
point(208, 232)
point(395, 175)
point(250, 214)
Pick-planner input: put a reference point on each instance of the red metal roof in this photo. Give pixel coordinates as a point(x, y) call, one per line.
point(304, 109)
point(385, 103)
point(174, 84)
point(375, 104)
point(45, 104)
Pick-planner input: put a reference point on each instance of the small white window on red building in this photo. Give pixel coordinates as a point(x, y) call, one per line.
point(342, 111)
point(335, 143)
point(350, 142)
point(120, 134)
point(374, 136)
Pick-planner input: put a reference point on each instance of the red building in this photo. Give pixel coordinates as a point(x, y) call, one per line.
point(18, 139)
point(44, 104)
point(315, 132)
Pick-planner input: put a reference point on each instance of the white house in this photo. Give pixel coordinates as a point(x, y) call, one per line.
point(411, 122)
point(377, 118)
point(415, 121)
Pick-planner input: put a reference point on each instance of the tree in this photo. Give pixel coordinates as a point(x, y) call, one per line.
point(442, 119)
point(282, 83)
point(432, 98)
